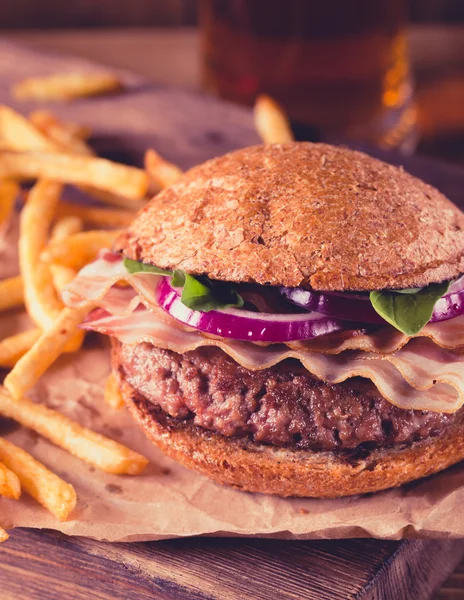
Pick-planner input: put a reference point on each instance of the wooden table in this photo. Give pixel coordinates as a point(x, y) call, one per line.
point(201, 568)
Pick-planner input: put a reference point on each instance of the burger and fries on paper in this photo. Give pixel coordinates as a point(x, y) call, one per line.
point(285, 319)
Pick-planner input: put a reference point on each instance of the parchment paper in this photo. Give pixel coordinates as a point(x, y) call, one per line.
point(170, 501)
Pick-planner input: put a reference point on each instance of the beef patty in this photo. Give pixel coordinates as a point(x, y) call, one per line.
point(282, 405)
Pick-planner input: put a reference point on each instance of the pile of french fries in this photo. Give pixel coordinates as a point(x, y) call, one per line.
point(56, 239)
point(54, 243)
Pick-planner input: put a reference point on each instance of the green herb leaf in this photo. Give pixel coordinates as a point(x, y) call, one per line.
point(134, 266)
point(408, 310)
point(198, 293)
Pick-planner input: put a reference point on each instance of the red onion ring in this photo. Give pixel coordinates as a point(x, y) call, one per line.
point(250, 326)
point(357, 307)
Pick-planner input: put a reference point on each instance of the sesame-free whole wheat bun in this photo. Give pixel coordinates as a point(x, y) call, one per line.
point(302, 214)
point(297, 215)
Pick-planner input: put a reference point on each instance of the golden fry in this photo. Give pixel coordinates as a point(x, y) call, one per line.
point(66, 86)
point(91, 447)
point(3, 535)
point(20, 134)
point(61, 277)
point(65, 227)
point(45, 120)
point(79, 249)
point(39, 293)
point(79, 170)
point(101, 217)
point(9, 483)
point(11, 293)
point(9, 190)
point(12, 348)
point(64, 135)
point(112, 394)
point(45, 487)
point(271, 122)
point(161, 171)
point(45, 351)
point(114, 199)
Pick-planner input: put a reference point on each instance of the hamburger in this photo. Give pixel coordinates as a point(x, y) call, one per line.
point(287, 319)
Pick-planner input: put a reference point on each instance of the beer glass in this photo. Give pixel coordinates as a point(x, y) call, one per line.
point(340, 66)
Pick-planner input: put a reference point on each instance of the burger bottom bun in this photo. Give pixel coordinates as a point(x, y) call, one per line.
point(258, 468)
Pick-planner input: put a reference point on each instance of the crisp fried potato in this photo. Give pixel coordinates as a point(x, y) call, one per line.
point(45, 120)
point(115, 199)
point(45, 351)
point(15, 346)
point(66, 86)
point(39, 293)
point(20, 134)
point(9, 483)
point(45, 487)
point(101, 217)
point(271, 122)
point(100, 173)
point(3, 535)
point(11, 293)
point(62, 276)
point(79, 249)
point(64, 135)
point(91, 447)
point(161, 171)
point(64, 227)
point(112, 394)
point(9, 190)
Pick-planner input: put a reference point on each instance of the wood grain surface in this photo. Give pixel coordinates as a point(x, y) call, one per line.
point(45, 565)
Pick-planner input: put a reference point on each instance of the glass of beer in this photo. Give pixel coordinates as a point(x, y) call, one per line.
point(339, 66)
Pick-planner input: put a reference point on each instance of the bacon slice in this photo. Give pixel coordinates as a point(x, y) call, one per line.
point(425, 373)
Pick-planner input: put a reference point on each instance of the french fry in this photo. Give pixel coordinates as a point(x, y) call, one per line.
point(45, 487)
point(15, 346)
point(83, 443)
point(61, 277)
point(45, 351)
point(8, 193)
point(62, 229)
point(100, 173)
point(11, 293)
point(66, 86)
point(64, 135)
point(271, 122)
point(45, 120)
point(101, 217)
point(79, 249)
point(115, 199)
point(112, 395)
point(65, 227)
point(161, 171)
point(20, 134)
point(9, 483)
point(3, 535)
point(49, 134)
point(39, 293)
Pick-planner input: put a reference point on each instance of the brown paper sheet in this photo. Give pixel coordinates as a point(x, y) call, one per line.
point(170, 501)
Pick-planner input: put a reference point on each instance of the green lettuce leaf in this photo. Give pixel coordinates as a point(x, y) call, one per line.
point(408, 310)
point(198, 293)
point(134, 266)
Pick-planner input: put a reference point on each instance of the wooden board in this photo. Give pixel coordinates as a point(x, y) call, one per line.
point(47, 566)
point(50, 566)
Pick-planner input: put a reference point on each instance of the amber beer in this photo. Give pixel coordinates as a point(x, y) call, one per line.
point(339, 65)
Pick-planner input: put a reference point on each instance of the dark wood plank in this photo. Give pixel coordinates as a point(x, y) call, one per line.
point(48, 565)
